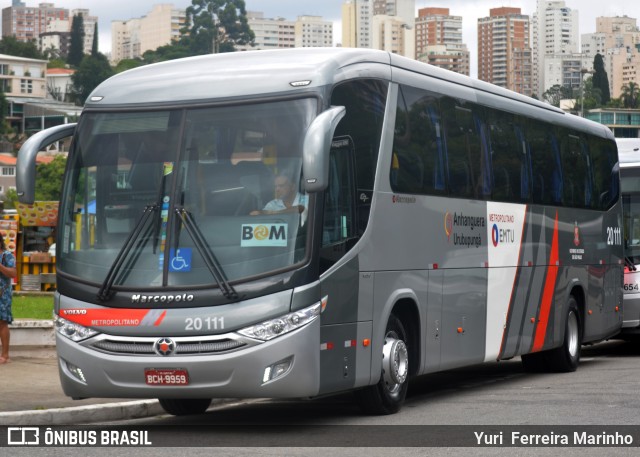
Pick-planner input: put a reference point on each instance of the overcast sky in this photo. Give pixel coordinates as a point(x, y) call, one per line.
point(470, 10)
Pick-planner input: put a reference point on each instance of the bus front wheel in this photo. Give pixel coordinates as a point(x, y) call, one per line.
point(185, 406)
point(387, 396)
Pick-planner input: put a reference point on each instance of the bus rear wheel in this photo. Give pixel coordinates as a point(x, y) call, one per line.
point(387, 396)
point(185, 406)
point(565, 358)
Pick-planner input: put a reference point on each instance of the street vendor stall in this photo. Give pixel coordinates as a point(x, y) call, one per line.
point(36, 269)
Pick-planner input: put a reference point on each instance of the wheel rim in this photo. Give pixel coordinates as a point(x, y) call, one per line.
point(395, 362)
point(572, 334)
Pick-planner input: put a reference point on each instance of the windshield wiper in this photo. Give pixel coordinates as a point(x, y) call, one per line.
point(105, 291)
point(209, 258)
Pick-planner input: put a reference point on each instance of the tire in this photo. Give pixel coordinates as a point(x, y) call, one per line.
point(388, 394)
point(565, 358)
point(185, 406)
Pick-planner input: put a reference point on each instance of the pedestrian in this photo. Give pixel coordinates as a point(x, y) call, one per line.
point(7, 272)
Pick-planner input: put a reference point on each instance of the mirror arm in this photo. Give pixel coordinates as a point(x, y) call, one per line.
point(26, 164)
point(315, 149)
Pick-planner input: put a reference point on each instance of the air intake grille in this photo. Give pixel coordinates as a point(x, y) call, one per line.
point(182, 347)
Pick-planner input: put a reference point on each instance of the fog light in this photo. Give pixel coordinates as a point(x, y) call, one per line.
point(76, 372)
point(277, 370)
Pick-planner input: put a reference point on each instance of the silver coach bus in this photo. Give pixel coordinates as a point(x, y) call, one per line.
point(432, 221)
point(629, 153)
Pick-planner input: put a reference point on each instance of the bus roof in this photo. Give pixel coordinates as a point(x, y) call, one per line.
point(254, 73)
point(629, 151)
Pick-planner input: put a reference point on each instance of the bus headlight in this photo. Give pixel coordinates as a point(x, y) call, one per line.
point(71, 330)
point(272, 328)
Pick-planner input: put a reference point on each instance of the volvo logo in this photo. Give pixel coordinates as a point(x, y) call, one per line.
point(164, 346)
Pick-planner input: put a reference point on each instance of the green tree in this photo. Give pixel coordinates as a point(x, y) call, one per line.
point(216, 26)
point(11, 46)
point(128, 64)
point(601, 80)
point(94, 44)
point(49, 179)
point(556, 93)
point(76, 47)
point(4, 110)
point(630, 93)
point(9, 198)
point(91, 72)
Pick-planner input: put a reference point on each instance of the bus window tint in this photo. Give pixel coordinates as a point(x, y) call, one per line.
point(576, 171)
point(508, 159)
point(419, 147)
point(603, 160)
point(467, 162)
point(546, 170)
point(364, 101)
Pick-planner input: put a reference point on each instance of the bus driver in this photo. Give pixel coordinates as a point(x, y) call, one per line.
point(288, 199)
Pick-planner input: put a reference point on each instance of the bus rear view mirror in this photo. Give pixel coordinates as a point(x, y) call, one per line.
point(316, 146)
point(26, 165)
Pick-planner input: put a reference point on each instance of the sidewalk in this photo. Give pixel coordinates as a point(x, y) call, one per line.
point(31, 395)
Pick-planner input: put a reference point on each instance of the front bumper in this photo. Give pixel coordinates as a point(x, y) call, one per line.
point(238, 373)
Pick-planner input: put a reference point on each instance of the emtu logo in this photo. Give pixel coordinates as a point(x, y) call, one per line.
point(495, 235)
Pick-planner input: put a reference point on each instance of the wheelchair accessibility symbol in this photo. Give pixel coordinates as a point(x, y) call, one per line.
point(180, 261)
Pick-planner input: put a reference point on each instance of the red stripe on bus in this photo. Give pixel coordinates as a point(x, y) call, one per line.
point(160, 319)
point(549, 289)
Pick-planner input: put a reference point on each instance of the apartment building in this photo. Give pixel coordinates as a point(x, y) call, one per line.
point(504, 51)
point(393, 34)
point(270, 33)
point(356, 23)
point(313, 31)
point(132, 38)
point(555, 39)
point(28, 22)
point(438, 37)
point(617, 40)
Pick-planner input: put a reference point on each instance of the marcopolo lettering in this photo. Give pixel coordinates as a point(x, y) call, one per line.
point(139, 298)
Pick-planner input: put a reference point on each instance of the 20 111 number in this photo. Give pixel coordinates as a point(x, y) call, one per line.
point(614, 236)
point(195, 324)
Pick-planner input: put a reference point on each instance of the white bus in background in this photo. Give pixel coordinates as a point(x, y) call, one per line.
point(629, 153)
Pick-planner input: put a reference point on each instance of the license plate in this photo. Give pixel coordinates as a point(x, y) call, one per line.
point(166, 377)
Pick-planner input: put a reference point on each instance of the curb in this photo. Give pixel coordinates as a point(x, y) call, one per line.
point(84, 414)
point(32, 332)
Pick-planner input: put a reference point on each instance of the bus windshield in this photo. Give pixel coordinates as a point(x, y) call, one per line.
point(186, 197)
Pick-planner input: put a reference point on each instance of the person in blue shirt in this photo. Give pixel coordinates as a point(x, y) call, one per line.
point(288, 199)
point(7, 271)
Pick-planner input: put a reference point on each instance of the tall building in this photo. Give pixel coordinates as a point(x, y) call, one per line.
point(504, 52)
point(270, 33)
point(26, 23)
point(356, 23)
point(131, 38)
point(617, 40)
point(313, 31)
point(392, 34)
point(439, 40)
point(555, 35)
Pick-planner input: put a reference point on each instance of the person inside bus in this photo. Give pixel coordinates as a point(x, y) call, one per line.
point(288, 199)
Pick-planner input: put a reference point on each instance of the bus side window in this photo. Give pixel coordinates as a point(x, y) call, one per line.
point(576, 171)
point(339, 221)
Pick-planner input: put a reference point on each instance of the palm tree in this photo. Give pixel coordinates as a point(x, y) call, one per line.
point(630, 94)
